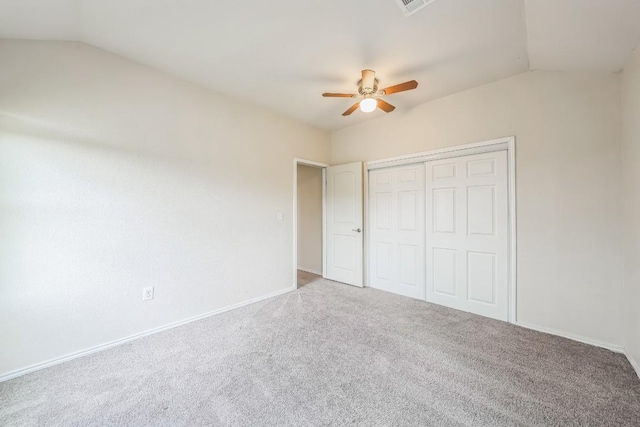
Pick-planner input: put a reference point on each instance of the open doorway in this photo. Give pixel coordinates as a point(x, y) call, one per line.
point(309, 221)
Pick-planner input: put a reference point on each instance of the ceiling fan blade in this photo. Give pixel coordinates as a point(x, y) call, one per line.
point(401, 87)
point(353, 108)
point(339, 95)
point(385, 106)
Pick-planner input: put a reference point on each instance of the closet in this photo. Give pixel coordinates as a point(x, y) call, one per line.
point(438, 231)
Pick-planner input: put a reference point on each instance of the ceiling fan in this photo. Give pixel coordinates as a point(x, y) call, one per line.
point(370, 96)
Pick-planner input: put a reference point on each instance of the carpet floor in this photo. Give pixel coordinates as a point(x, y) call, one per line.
point(331, 354)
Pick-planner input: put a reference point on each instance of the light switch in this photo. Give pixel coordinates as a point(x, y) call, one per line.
point(279, 216)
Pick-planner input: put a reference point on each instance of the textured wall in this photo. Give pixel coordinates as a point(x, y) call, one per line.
point(114, 177)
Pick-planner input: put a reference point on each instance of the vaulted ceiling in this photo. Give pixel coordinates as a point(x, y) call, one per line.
point(284, 54)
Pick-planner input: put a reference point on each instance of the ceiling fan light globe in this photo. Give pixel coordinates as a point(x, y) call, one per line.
point(368, 105)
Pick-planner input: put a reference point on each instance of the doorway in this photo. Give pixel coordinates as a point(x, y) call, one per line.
point(308, 221)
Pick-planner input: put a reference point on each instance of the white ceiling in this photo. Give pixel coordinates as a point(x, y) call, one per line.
point(572, 35)
point(284, 54)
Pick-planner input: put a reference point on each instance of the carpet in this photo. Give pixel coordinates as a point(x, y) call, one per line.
point(330, 354)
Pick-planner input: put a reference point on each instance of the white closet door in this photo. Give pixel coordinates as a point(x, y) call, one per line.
point(467, 226)
point(396, 248)
point(344, 223)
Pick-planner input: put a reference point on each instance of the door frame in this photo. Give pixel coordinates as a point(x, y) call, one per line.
point(304, 162)
point(499, 144)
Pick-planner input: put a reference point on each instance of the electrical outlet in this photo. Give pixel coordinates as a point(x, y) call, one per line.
point(147, 293)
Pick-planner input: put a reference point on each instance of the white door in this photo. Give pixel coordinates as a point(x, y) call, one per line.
point(396, 230)
point(467, 226)
point(344, 223)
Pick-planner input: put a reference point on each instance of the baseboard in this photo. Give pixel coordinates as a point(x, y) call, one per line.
point(613, 347)
point(633, 363)
point(95, 349)
point(309, 270)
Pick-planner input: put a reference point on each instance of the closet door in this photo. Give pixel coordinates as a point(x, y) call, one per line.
point(467, 233)
point(396, 230)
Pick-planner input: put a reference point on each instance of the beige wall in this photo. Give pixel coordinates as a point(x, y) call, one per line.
point(567, 129)
point(631, 204)
point(310, 219)
point(114, 177)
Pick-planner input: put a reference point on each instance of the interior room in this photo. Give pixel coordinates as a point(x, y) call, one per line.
point(364, 212)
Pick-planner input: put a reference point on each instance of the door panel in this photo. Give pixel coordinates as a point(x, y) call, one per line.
point(444, 271)
point(383, 211)
point(481, 206)
point(481, 280)
point(396, 211)
point(382, 261)
point(444, 206)
point(407, 264)
point(407, 210)
point(467, 233)
point(344, 223)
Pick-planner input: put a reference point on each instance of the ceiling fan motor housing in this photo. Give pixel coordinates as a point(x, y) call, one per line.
point(368, 85)
point(367, 91)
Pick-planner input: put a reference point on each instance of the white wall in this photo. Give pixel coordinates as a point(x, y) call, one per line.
point(631, 204)
point(310, 219)
point(114, 177)
point(567, 128)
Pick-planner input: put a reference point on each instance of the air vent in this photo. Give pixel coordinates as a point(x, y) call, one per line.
point(409, 7)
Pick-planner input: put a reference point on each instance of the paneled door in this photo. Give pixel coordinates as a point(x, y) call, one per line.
point(467, 233)
point(396, 230)
point(344, 224)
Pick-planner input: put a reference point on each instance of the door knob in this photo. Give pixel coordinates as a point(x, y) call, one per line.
point(357, 230)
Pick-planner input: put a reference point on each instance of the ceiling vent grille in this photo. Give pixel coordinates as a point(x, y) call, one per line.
point(409, 7)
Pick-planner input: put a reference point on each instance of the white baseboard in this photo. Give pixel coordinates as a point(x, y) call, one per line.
point(95, 349)
point(613, 347)
point(633, 363)
point(310, 270)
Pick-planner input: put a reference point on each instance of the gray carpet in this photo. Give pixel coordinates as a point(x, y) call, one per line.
point(330, 354)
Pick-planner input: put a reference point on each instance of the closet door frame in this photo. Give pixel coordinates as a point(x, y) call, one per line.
point(506, 143)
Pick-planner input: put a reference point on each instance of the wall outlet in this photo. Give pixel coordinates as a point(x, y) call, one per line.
point(147, 293)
